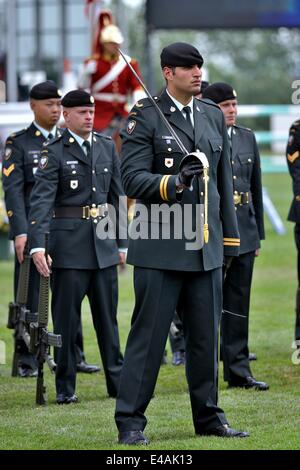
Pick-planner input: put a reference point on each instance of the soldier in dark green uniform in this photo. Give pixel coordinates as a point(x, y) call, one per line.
point(21, 158)
point(293, 161)
point(20, 162)
point(167, 270)
point(78, 176)
point(247, 195)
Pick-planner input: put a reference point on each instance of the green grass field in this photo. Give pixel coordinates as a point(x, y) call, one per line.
point(272, 418)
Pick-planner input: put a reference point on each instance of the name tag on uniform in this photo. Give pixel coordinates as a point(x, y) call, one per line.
point(34, 153)
point(167, 138)
point(72, 162)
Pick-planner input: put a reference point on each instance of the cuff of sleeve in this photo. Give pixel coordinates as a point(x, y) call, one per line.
point(21, 235)
point(167, 188)
point(231, 246)
point(36, 250)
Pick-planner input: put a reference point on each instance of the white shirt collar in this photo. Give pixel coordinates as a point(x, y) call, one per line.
point(79, 139)
point(44, 131)
point(180, 106)
point(229, 131)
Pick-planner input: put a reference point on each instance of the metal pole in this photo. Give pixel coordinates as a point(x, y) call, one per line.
point(11, 51)
point(149, 61)
point(38, 19)
point(63, 40)
point(122, 21)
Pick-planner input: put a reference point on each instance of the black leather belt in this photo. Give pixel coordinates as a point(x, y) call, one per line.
point(85, 212)
point(242, 198)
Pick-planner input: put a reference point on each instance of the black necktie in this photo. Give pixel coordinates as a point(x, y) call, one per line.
point(188, 111)
point(87, 145)
point(50, 136)
point(230, 140)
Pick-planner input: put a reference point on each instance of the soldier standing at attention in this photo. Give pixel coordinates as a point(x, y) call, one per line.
point(167, 270)
point(21, 158)
point(293, 161)
point(78, 176)
point(247, 196)
point(20, 163)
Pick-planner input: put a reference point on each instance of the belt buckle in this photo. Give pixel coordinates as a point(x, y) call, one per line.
point(103, 211)
point(237, 198)
point(86, 212)
point(94, 212)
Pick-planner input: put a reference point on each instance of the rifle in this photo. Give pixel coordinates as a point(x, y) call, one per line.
point(19, 317)
point(40, 338)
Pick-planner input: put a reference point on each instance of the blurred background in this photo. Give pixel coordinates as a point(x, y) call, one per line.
point(254, 46)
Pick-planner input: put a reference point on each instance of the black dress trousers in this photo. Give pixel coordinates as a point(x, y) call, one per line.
point(157, 293)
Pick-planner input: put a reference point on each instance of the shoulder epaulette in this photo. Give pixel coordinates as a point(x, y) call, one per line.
point(16, 134)
point(209, 102)
point(98, 134)
point(144, 103)
point(238, 126)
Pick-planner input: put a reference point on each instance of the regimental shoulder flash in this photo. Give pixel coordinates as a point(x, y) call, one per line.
point(131, 126)
point(7, 151)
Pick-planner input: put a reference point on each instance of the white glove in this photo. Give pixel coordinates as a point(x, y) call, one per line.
point(85, 72)
point(91, 67)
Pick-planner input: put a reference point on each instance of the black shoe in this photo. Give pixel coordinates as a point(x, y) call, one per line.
point(62, 399)
point(252, 357)
point(24, 371)
point(223, 431)
point(178, 358)
point(87, 368)
point(132, 438)
point(249, 382)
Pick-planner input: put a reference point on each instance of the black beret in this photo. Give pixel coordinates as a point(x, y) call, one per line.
point(180, 54)
point(45, 91)
point(77, 98)
point(219, 92)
